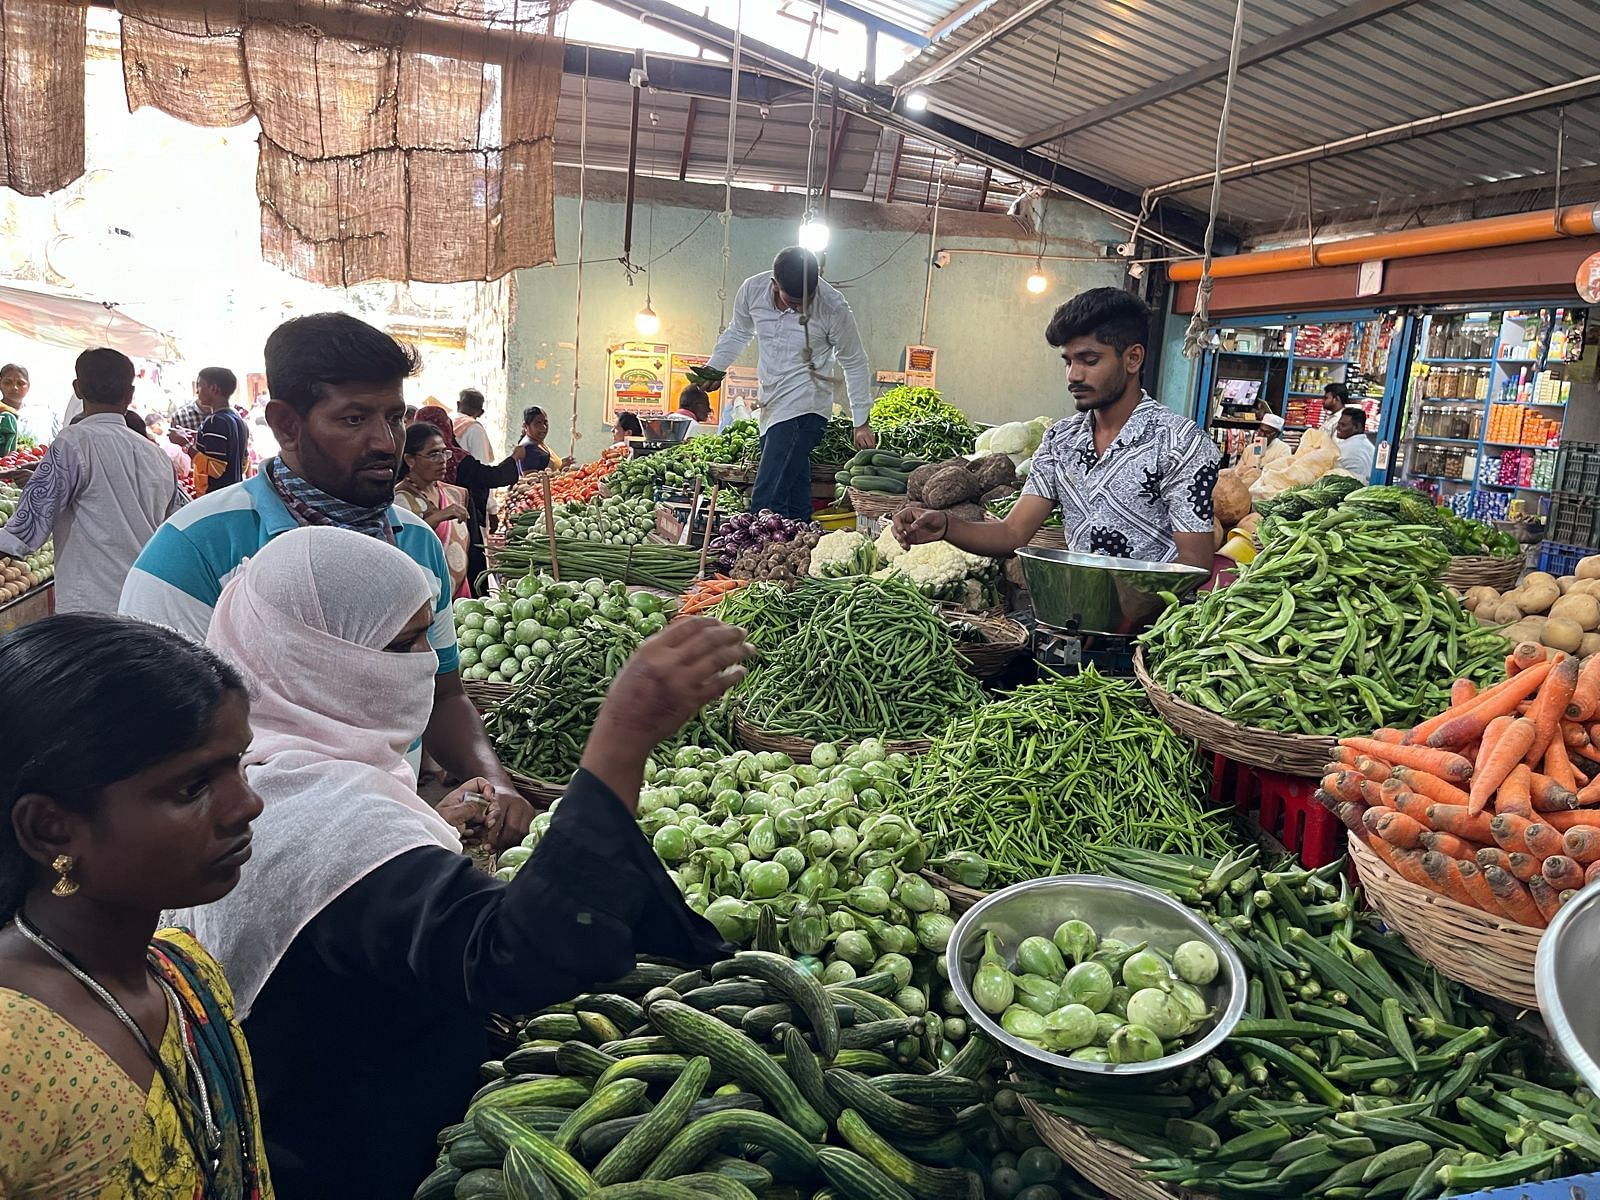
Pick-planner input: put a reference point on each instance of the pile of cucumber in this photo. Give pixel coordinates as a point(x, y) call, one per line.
point(724, 1084)
point(878, 471)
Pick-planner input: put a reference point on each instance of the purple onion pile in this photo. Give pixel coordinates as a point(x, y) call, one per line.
point(744, 532)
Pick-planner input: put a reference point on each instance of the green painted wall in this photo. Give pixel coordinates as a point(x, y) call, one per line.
point(993, 361)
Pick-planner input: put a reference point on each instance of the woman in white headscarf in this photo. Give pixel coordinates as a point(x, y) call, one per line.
point(364, 949)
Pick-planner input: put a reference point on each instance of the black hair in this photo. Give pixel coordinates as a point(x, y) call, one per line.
point(104, 376)
point(307, 353)
point(1357, 415)
point(531, 412)
point(1110, 315)
point(694, 398)
point(224, 380)
point(797, 272)
point(91, 700)
point(418, 436)
point(135, 422)
point(1340, 393)
point(411, 413)
point(470, 402)
point(630, 424)
point(17, 367)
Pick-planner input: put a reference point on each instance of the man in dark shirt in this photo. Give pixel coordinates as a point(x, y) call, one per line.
point(224, 438)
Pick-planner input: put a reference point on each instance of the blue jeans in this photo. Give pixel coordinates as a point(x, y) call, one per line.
point(783, 483)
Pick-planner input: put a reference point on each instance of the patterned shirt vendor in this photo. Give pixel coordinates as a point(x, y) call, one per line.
point(1131, 478)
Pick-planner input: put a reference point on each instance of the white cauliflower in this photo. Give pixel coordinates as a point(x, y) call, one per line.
point(843, 552)
point(938, 569)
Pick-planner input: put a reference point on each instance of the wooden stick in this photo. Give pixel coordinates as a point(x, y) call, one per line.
point(711, 520)
point(550, 528)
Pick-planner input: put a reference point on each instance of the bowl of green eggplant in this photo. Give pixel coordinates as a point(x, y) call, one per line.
point(1096, 976)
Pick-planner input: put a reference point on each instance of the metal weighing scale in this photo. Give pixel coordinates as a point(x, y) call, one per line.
point(660, 433)
point(1089, 608)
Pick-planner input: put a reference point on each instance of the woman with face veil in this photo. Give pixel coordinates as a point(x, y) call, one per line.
point(364, 949)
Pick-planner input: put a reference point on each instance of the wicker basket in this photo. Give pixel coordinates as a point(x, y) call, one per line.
point(1003, 640)
point(876, 504)
point(1108, 1165)
point(1481, 570)
point(800, 749)
point(1286, 753)
point(485, 694)
point(1473, 947)
point(737, 474)
point(537, 792)
point(826, 473)
point(1049, 538)
point(961, 897)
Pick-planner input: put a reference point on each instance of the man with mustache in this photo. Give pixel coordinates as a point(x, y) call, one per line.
point(338, 412)
point(1132, 479)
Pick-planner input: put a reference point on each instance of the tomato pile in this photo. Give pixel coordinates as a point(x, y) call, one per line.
point(22, 458)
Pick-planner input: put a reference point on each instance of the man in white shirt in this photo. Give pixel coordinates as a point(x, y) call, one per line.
point(101, 490)
point(1271, 447)
point(1356, 451)
point(805, 327)
point(1335, 397)
point(474, 439)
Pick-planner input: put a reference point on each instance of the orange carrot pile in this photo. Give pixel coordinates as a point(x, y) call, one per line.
point(1495, 802)
point(707, 594)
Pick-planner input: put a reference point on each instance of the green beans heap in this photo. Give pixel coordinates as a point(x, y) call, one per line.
point(1336, 628)
point(868, 658)
point(666, 568)
point(1358, 1070)
point(1062, 777)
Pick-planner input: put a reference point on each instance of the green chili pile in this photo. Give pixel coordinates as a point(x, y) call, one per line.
point(1336, 628)
point(1061, 777)
point(865, 657)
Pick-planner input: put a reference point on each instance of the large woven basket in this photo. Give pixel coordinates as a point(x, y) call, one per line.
point(1473, 947)
point(485, 694)
point(737, 474)
point(876, 504)
point(799, 749)
point(1003, 640)
point(1481, 570)
point(1110, 1166)
point(1049, 538)
point(537, 792)
point(1285, 753)
point(961, 897)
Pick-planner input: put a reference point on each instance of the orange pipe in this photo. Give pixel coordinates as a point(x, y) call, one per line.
point(1519, 229)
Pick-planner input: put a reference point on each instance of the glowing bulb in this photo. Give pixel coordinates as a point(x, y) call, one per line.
point(814, 236)
point(1037, 282)
point(646, 321)
point(917, 102)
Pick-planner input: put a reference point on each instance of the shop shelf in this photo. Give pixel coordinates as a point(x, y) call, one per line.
point(1428, 437)
point(1513, 487)
point(1522, 445)
point(1254, 353)
point(1574, 519)
point(1307, 395)
point(1578, 468)
point(1560, 560)
point(1307, 358)
point(1440, 478)
point(1459, 360)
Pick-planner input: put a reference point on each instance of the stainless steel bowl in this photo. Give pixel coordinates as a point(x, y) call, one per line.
point(1561, 976)
point(1098, 594)
point(1129, 911)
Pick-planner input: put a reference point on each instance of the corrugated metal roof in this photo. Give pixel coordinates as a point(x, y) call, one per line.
point(923, 16)
point(1416, 60)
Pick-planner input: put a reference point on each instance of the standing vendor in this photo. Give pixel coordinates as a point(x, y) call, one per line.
point(1132, 479)
point(805, 327)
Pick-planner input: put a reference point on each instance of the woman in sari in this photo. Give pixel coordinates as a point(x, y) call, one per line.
point(126, 1075)
point(478, 479)
point(422, 489)
point(365, 950)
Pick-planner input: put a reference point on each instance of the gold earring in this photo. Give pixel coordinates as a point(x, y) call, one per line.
point(64, 886)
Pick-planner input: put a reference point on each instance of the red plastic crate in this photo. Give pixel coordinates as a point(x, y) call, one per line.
point(1284, 806)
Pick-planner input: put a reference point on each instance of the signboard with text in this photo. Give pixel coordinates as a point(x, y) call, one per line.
point(637, 379)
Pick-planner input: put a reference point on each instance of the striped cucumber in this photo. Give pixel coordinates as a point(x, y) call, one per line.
point(566, 1172)
point(642, 979)
point(799, 986)
point(658, 1189)
point(580, 1058)
point(877, 1008)
point(752, 993)
point(973, 1059)
point(652, 1068)
point(652, 1043)
point(599, 1141)
point(753, 1175)
point(803, 1067)
point(885, 1112)
point(934, 1091)
point(879, 983)
point(641, 1144)
point(534, 1060)
point(471, 1152)
point(732, 1052)
point(555, 1091)
point(619, 1098)
point(717, 1186)
point(622, 1011)
point(699, 1138)
point(485, 1183)
point(525, 1179)
point(439, 1185)
point(857, 1179)
point(925, 1182)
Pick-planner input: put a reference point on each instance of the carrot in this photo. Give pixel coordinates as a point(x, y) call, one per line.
point(1592, 874)
point(1445, 877)
point(1585, 701)
point(1561, 872)
point(1496, 701)
point(1431, 786)
point(1477, 887)
point(1515, 794)
point(1574, 734)
point(1523, 866)
point(1391, 788)
point(1372, 768)
point(1409, 864)
point(1542, 840)
point(1440, 762)
point(1550, 706)
point(1395, 828)
point(1513, 898)
point(1545, 896)
point(1528, 654)
point(1351, 813)
point(1343, 757)
point(1582, 844)
point(1549, 796)
point(1497, 758)
point(1454, 818)
point(1392, 736)
point(1415, 807)
point(1508, 833)
point(1462, 691)
point(1589, 793)
point(1558, 764)
point(1342, 784)
point(1447, 843)
point(1567, 820)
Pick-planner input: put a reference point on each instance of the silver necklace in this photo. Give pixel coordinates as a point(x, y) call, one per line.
point(211, 1133)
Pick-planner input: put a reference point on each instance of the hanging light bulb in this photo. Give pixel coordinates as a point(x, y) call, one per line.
point(1037, 281)
point(917, 102)
point(814, 235)
point(646, 321)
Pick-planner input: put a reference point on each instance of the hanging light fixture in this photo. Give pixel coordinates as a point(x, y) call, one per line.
point(814, 234)
point(646, 321)
point(1038, 282)
point(917, 102)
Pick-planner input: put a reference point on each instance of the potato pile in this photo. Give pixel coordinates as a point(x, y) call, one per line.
point(1558, 614)
point(23, 575)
